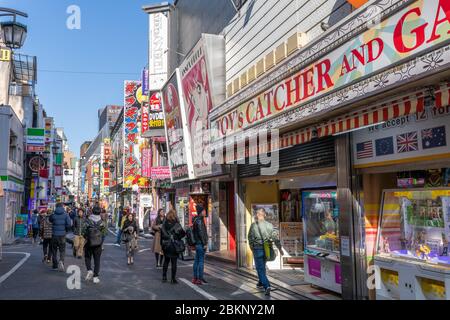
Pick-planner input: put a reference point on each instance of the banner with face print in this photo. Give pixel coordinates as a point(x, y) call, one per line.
point(175, 130)
point(198, 101)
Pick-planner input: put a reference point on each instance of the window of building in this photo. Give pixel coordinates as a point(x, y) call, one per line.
point(12, 147)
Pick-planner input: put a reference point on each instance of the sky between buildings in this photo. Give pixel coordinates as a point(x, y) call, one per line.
point(113, 39)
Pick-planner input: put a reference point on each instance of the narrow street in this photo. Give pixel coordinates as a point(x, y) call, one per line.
point(119, 281)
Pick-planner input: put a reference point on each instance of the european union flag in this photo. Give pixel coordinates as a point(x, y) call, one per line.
point(434, 138)
point(384, 146)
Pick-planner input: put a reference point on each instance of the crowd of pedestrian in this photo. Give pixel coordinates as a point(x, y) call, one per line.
point(89, 225)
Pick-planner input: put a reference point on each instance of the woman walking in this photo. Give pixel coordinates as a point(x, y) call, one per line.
point(156, 227)
point(172, 234)
point(46, 233)
point(35, 225)
point(129, 236)
point(79, 241)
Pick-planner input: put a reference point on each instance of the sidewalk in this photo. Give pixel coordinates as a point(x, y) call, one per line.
point(291, 280)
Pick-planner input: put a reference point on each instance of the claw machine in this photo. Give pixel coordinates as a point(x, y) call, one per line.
point(320, 213)
point(412, 245)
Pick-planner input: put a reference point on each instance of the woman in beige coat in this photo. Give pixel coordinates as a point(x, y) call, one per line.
point(156, 227)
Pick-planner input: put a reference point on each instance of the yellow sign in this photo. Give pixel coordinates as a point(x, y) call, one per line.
point(5, 55)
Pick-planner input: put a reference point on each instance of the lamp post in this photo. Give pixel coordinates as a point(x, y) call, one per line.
point(13, 32)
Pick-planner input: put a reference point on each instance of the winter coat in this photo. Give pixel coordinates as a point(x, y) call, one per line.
point(46, 228)
point(78, 225)
point(168, 230)
point(156, 227)
point(93, 219)
point(126, 230)
point(199, 231)
point(259, 233)
point(61, 222)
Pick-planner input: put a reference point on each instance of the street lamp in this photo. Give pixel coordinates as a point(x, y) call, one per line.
point(13, 32)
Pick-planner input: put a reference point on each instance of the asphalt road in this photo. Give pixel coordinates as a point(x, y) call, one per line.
point(24, 276)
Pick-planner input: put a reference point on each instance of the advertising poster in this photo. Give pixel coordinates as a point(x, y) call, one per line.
point(156, 116)
point(146, 162)
point(198, 103)
point(132, 151)
point(175, 133)
point(291, 238)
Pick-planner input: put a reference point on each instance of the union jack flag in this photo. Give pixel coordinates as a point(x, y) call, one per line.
point(407, 142)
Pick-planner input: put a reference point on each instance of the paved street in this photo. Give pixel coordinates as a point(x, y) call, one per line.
point(35, 280)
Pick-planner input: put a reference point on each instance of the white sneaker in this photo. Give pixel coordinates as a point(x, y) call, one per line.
point(61, 266)
point(96, 280)
point(89, 275)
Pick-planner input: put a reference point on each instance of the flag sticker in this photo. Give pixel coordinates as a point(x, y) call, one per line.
point(364, 150)
point(407, 142)
point(384, 146)
point(434, 138)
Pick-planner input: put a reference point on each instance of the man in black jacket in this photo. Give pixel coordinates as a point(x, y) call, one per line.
point(201, 241)
point(61, 225)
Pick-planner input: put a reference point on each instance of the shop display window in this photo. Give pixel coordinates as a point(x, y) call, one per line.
point(415, 224)
point(321, 221)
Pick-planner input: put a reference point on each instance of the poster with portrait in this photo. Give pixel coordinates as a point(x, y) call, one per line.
point(198, 101)
point(177, 144)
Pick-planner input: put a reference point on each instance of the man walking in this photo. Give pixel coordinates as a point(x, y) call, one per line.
point(201, 241)
point(94, 232)
point(61, 224)
point(261, 231)
point(119, 226)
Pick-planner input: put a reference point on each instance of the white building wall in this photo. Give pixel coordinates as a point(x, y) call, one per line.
point(262, 25)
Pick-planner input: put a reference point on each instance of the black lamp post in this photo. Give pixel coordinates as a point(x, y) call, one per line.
point(13, 32)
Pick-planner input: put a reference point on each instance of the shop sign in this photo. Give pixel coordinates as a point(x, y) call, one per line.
point(422, 135)
point(132, 157)
point(2, 192)
point(144, 117)
point(48, 126)
point(5, 55)
point(35, 140)
point(411, 31)
point(160, 173)
point(9, 183)
point(176, 131)
point(146, 200)
point(197, 97)
point(146, 162)
point(314, 267)
point(106, 153)
point(156, 116)
point(145, 84)
point(159, 36)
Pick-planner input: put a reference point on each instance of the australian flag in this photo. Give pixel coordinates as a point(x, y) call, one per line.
point(384, 146)
point(434, 138)
point(407, 142)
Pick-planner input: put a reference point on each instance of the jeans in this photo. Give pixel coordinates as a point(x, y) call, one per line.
point(58, 243)
point(95, 252)
point(119, 236)
point(173, 261)
point(260, 264)
point(199, 261)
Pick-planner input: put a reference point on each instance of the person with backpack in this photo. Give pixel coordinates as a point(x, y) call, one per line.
point(156, 228)
point(93, 233)
point(79, 241)
point(172, 244)
point(46, 234)
point(261, 232)
point(61, 225)
point(35, 225)
point(129, 236)
point(201, 241)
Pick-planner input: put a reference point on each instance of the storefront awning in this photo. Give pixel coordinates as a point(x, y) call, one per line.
point(443, 96)
point(367, 117)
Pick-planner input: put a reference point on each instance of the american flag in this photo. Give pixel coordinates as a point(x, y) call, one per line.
point(407, 142)
point(364, 150)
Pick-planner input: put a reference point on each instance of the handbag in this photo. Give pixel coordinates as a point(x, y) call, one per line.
point(269, 252)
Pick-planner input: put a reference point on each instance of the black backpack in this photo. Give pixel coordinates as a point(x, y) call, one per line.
point(190, 239)
point(94, 234)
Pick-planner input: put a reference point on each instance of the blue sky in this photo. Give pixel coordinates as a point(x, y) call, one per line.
point(113, 39)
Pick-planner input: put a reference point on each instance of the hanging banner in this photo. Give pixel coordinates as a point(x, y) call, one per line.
point(132, 158)
point(144, 117)
point(145, 84)
point(411, 31)
point(198, 102)
point(158, 53)
point(106, 158)
point(146, 162)
point(174, 118)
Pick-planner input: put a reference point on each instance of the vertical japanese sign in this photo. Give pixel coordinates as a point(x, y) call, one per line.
point(156, 116)
point(146, 162)
point(198, 102)
point(48, 127)
point(132, 172)
point(145, 82)
point(175, 130)
point(106, 155)
point(158, 44)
